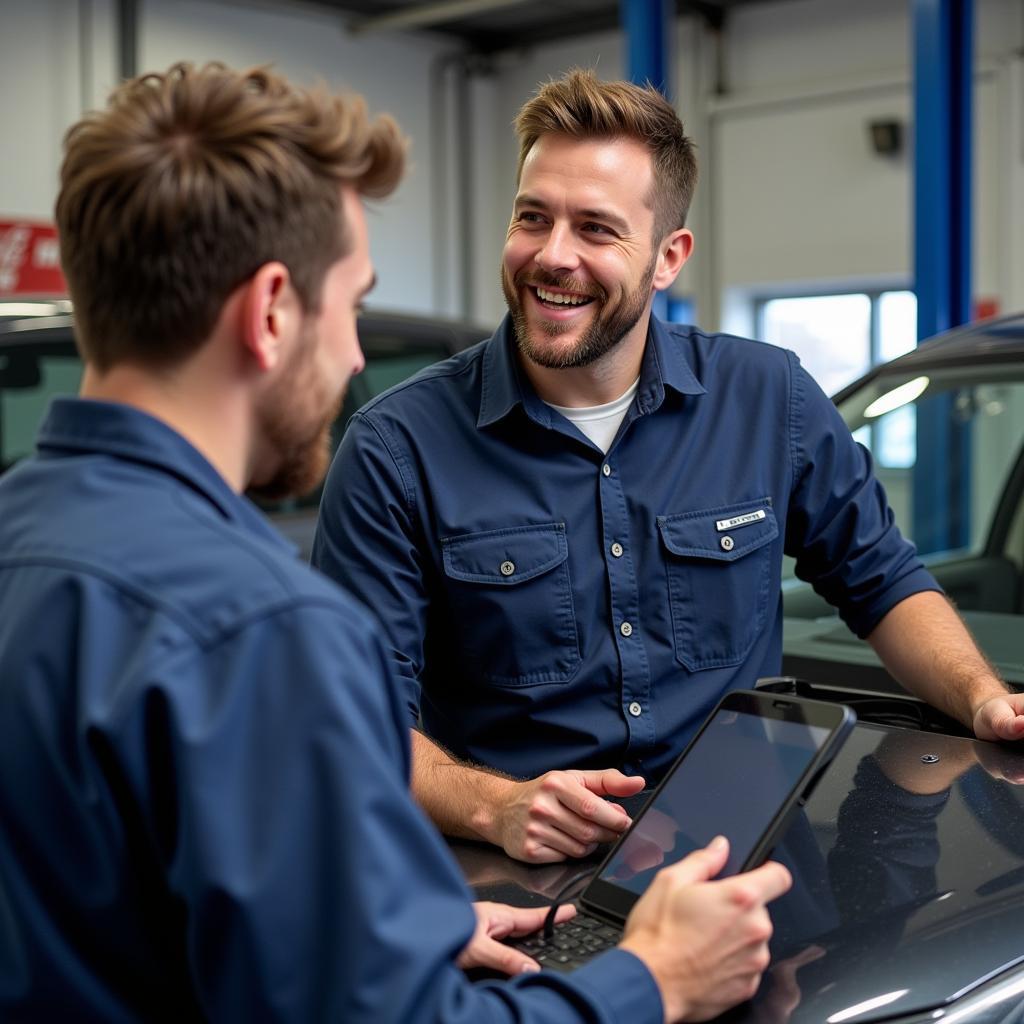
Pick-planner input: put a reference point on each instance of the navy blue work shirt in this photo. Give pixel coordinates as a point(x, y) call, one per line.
point(549, 606)
point(203, 763)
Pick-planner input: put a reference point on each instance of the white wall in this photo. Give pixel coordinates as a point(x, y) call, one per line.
point(56, 59)
point(42, 92)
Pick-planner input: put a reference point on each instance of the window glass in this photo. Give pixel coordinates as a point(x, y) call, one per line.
point(988, 402)
point(27, 383)
point(830, 333)
point(895, 435)
point(895, 441)
point(897, 324)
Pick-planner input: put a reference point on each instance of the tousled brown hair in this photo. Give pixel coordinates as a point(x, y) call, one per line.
point(188, 182)
point(581, 106)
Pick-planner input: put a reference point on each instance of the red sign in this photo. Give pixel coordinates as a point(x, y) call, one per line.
point(30, 260)
point(984, 308)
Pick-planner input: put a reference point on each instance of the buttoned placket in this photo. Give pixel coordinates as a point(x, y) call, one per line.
point(627, 631)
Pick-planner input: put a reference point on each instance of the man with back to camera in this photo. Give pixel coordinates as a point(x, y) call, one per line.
point(573, 532)
point(203, 756)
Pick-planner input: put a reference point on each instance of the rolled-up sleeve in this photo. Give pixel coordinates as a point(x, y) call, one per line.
point(841, 529)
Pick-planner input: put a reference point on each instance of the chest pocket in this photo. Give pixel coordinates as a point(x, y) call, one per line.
point(510, 598)
point(718, 562)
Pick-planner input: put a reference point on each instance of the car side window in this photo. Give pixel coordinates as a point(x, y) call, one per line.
point(27, 384)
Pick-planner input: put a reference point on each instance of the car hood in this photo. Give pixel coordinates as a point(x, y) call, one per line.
point(909, 882)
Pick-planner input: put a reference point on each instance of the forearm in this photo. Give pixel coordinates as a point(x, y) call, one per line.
point(926, 647)
point(461, 799)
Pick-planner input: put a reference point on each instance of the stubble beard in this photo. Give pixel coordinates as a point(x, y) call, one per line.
point(600, 336)
point(295, 425)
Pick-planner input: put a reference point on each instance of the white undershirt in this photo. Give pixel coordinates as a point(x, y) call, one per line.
point(600, 422)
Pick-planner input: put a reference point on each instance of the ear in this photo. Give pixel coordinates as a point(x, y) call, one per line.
point(673, 252)
point(268, 314)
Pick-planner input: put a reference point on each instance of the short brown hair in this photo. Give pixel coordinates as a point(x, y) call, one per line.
point(188, 182)
point(583, 107)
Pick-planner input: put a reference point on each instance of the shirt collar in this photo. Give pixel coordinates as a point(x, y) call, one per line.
point(86, 425)
point(505, 386)
point(501, 389)
point(665, 365)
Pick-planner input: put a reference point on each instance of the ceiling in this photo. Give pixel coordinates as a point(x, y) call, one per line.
point(488, 26)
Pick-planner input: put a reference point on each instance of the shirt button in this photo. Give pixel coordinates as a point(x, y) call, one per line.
point(606, 469)
point(727, 543)
point(635, 710)
point(617, 549)
point(507, 568)
point(626, 629)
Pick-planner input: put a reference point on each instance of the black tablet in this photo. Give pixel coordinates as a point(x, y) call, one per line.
point(753, 763)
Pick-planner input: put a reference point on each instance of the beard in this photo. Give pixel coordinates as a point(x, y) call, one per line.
point(599, 337)
point(294, 423)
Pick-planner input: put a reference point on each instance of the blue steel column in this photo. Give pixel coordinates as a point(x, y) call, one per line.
point(647, 26)
point(943, 56)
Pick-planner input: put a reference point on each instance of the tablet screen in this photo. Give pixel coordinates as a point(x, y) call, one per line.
point(733, 781)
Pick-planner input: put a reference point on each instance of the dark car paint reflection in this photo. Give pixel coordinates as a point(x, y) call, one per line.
point(909, 887)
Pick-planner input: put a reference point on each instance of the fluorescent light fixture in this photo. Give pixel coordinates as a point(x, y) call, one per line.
point(868, 1004)
point(898, 397)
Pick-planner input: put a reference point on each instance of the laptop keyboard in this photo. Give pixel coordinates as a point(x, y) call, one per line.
point(572, 944)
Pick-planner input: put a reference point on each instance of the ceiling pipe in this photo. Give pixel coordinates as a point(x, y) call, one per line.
point(429, 15)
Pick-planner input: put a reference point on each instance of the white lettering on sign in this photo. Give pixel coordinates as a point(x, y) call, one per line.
point(46, 253)
point(744, 520)
point(12, 252)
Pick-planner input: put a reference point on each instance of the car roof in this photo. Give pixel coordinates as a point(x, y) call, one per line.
point(998, 339)
point(376, 327)
point(918, 875)
point(42, 328)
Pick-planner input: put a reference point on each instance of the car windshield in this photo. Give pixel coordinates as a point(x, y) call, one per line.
point(982, 406)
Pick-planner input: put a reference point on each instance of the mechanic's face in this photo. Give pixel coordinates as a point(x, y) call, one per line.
point(299, 409)
point(579, 259)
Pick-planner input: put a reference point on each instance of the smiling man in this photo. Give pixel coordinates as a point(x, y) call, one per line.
point(573, 532)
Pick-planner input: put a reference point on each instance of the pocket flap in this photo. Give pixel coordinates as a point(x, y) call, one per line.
point(724, 533)
point(505, 557)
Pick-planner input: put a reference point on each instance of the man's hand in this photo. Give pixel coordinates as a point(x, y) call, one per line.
point(1000, 718)
point(705, 942)
point(925, 646)
point(496, 921)
point(563, 814)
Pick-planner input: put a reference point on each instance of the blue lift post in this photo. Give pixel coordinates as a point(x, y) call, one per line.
point(943, 57)
point(647, 25)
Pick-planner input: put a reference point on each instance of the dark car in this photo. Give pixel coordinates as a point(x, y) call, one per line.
point(38, 360)
point(908, 878)
point(967, 386)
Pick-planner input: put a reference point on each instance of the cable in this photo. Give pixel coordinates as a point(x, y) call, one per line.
point(549, 920)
